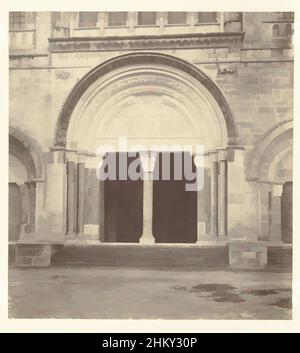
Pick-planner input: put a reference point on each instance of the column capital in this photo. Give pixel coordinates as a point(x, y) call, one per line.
point(58, 155)
point(93, 161)
point(199, 160)
point(148, 160)
point(213, 156)
point(277, 189)
point(72, 156)
point(38, 180)
point(81, 157)
point(30, 183)
point(222, 155)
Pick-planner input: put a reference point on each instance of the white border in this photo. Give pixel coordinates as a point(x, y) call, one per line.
point(34, 325)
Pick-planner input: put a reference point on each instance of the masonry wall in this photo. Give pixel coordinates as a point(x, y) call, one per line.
point(259, 92)
point(254, 74)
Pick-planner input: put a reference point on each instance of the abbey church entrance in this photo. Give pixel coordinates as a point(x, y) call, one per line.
point(148, 100)
point(174, 208)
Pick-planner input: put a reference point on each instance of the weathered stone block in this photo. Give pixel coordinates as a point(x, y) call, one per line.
point(41, 261)
point(23, 260)
point(247, 255)
point(33, 255)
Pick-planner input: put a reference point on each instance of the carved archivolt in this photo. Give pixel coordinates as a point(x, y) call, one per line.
point(136, 89)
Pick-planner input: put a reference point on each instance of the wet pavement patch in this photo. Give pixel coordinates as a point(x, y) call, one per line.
point(219, 292)
point(261, 292)
point(229, 298)
point(179, 288)
point(59, 277)
point(211, 287)
point(284, 289)
point(285, 303)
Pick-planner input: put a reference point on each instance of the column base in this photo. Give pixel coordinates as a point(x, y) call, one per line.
point(207, 237)
point(147, 240)
point(211, 237)
point(83, 237)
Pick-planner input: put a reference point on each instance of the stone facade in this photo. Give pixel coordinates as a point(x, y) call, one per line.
point(226, 83)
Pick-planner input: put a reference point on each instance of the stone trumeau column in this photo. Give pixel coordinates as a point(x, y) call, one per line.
point(148, 163)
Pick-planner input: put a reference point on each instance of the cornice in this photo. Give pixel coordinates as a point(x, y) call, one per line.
point(186, 41)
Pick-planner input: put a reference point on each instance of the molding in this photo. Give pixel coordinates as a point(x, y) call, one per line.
point(186, 41)
point(16, 55)
point(280, 20)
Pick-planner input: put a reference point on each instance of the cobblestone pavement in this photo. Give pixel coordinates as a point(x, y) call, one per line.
point(115, 293)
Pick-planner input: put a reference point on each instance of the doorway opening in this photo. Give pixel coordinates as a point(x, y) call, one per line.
point(123, 216)
point(174, 208)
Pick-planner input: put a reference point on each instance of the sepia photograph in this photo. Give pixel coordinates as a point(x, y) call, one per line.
point(150, 164)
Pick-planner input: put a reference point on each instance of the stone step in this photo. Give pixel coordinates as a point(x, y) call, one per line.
point(280, 255)
point(156, 256)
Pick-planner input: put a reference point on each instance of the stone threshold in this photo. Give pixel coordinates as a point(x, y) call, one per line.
point(138, 245)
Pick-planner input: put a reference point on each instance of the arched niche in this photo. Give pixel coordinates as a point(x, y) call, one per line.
point(271, 165)
point(26, 168)
point(22, 147)
point(272, 153)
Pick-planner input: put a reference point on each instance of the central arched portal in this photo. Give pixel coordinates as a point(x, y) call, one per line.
point(144, 102)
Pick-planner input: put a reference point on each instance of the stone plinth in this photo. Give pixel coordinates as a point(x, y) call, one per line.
point(35, 250)
point(243, 255)
point(33, 255)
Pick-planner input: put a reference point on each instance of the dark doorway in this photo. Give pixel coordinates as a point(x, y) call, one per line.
point(14, 212)
point(123, 219)
point(174, 208)
point(287, 213)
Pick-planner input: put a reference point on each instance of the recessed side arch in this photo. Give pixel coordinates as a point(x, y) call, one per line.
point(24, 148)
point(138, 59)
point(269, 151)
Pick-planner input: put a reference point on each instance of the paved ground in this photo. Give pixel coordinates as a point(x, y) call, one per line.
point(110, 293)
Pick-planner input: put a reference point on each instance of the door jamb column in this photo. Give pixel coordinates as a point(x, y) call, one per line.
point(222, 206)
point(199, 162)
point(72, 160)
point(81, 193)
point(275, 234)
point(214, 194)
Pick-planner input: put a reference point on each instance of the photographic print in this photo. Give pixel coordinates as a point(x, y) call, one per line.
point(151, 165)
